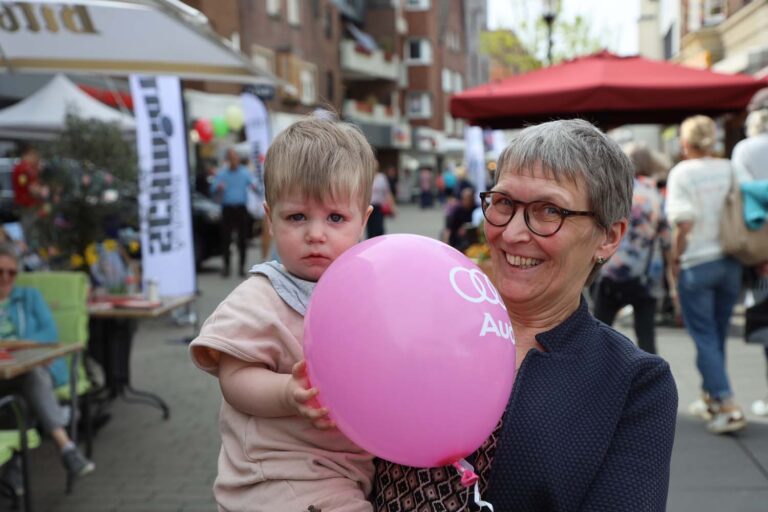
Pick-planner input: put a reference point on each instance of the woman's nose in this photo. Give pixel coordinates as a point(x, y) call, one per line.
point(516, 230)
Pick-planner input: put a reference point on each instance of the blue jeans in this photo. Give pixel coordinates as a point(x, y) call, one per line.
point(708, 293)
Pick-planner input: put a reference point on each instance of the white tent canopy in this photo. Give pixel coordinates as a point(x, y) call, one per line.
point(42, 115)
point(119, 37)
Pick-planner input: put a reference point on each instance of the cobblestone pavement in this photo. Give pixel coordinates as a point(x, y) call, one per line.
point(147, 464)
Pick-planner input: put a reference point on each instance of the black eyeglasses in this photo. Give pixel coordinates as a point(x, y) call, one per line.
point(10, 272)
point(542, 218)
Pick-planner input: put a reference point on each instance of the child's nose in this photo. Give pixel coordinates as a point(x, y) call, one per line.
point(315, 232)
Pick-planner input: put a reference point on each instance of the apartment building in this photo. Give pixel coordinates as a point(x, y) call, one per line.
point(373, 74)
point(730, 36)
point(296, 40)
point(436, 59)
point(388, 66)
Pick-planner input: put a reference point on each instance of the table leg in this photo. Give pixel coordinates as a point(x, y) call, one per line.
point(117, 340)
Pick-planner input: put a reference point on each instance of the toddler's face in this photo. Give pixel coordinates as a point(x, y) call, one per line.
point(310, 235)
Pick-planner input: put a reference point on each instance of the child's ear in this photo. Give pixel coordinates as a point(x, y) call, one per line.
point(365, 220)
point(268, 218)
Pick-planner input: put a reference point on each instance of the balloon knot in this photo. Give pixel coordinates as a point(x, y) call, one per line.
point(467, 472)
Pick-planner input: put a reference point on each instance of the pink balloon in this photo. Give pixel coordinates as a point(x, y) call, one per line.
point(411, 349)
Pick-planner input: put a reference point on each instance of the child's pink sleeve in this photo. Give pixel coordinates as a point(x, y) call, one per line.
point(252, 324)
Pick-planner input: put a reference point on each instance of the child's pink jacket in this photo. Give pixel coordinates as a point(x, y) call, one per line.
point(253, 324)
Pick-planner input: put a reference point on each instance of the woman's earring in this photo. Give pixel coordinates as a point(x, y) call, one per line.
point(600, 260)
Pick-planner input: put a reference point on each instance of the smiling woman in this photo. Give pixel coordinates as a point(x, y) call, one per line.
point(25, 315)
point(591, 418)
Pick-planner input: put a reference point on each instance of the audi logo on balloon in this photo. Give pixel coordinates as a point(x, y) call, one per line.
point(474, 286)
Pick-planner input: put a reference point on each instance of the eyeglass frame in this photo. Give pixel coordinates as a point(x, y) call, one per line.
point(564, 212)
point(10, 272)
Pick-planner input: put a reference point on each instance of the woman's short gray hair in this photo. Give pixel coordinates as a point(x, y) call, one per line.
point(576, 151)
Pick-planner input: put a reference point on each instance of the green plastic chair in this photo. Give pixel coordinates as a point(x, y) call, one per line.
point(66, 293)
point(12, 441)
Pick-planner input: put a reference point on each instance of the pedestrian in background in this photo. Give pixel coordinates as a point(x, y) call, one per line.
point(383, 203)
point(28, 192)
point(708, 282)
point(425, 187)
point(633, 276)
point(230, 188)
point(750, 158)
point(458, 219)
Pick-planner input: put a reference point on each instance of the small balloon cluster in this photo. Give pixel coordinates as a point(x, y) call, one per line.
point(219, 126)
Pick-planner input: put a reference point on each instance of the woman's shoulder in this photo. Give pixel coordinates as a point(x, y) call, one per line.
point(25, 293)
point(623, 353)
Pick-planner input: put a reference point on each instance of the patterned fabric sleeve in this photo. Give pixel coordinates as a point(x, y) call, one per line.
point(404, 489)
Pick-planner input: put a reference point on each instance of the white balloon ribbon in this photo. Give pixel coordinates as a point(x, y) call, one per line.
point(468, 479)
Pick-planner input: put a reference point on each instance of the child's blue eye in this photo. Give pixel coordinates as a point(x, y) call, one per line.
point(296, 217)
point(335, 217)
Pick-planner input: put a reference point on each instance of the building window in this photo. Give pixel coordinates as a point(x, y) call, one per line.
point(328, 23)
point(714, 12)
point(419, 51)
point(668, 43)
point(447, 80)
point(419, 105)
point(308, 85)
point(459, 127)
point(329, 79)
point(452, 41)
point(273, 7)
point(294, 14)
point(417, 5)
point(263, 58)
point(449, 127)
point(458, 82)
point(694, 15)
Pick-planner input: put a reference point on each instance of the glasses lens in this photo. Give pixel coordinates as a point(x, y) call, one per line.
point(544, 218)
point(498, 208)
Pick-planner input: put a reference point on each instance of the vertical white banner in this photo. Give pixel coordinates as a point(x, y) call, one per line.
point(258, 137)
point(167, 248)
point(474, 155)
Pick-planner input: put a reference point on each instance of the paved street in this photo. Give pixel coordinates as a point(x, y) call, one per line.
point(147, 464)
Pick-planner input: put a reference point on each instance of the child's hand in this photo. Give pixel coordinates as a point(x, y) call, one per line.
point(302, 398)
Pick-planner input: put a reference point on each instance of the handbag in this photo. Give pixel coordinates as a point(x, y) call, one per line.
point(632, 289)
point(750, 247)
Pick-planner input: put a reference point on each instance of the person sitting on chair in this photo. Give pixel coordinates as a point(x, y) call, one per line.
point(24, 315)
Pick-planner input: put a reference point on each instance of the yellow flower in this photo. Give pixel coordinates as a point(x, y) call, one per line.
point(134, 246)
point(91, 254)
point(76, 261)
point(110, 245)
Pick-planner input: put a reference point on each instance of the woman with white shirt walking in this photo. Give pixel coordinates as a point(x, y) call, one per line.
point(708, 282)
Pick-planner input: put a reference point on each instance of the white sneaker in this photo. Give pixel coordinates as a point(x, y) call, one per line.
point(760, 407)
point(702, 408)
point(725, 422)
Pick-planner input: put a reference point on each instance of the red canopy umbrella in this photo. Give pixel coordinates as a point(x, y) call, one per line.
point(608, 90)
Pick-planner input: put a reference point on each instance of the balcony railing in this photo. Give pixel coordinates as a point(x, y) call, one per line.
point(359, 63)
point(370, 112)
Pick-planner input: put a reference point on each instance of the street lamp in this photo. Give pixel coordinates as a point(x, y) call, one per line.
point(549, 13)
